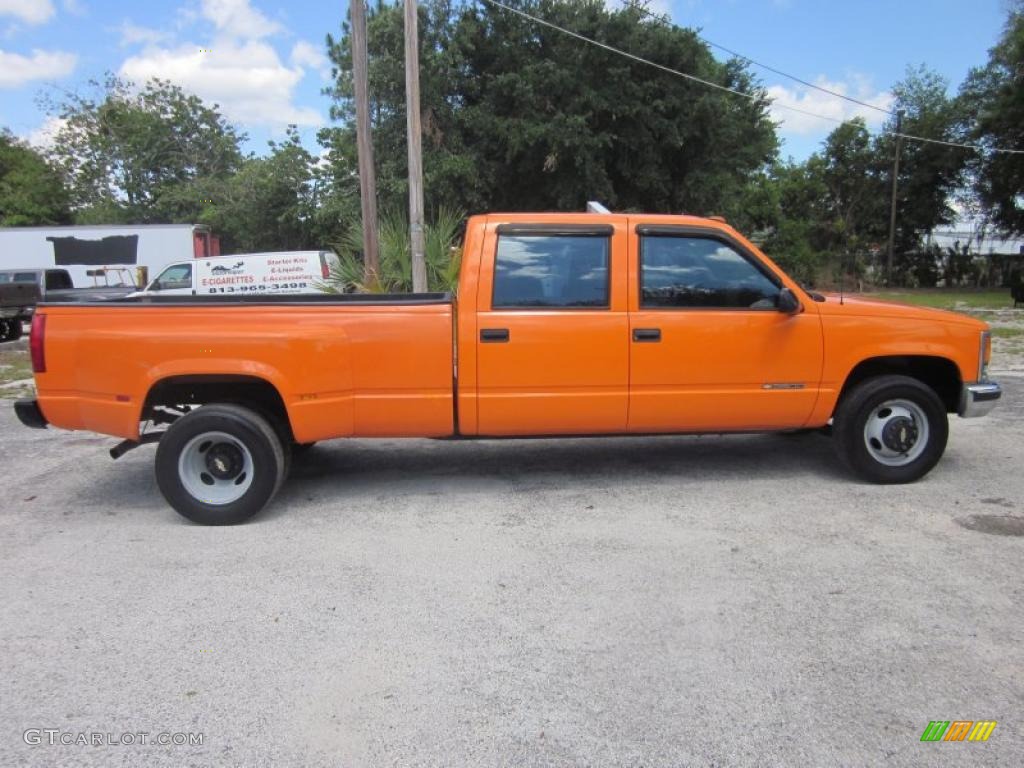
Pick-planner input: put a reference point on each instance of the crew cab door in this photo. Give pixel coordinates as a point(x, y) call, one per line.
point(552, 327)
point(709, 348)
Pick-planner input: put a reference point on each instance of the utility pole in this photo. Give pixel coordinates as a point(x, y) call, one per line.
point(412, 112)
point(895, 184)
point(364, 145)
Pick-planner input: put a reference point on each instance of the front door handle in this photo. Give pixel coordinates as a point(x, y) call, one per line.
point(494, 335)
point(647, 334)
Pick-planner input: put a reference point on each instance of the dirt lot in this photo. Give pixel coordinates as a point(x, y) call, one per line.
point(638, 601)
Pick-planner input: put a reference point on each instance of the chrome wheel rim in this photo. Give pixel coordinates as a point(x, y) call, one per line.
point(215, 468)
point(896, 432)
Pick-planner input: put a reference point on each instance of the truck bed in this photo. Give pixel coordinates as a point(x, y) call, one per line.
point(365, 365)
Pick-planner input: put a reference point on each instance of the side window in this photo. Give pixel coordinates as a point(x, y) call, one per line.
point(57, 280)
point(700, 272)
point(175, 276)
point(539, 271)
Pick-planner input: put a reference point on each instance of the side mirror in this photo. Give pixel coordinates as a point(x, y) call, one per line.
point(155, 286)
point(788, 302)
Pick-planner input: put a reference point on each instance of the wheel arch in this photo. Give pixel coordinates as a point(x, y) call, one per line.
point(254, 392)
point(941, 374)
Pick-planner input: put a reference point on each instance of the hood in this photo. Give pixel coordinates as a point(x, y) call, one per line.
point(859, 306)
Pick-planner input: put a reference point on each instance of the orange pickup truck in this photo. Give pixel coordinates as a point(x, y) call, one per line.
point(566, 324)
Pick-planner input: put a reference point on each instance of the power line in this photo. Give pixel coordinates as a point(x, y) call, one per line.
point(662, 67)
point(666, 19)
point(733, 91)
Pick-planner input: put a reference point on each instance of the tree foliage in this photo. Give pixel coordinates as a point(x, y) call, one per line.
point(441, 252)
point(519, 116)
point(31, 191)
point(142, 156)
point(270, 202)
point(993, 101)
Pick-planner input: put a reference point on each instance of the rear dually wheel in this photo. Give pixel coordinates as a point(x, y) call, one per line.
point(220, 464)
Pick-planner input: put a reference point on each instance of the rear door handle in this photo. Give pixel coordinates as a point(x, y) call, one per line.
point(647, 334)
point(494, 335)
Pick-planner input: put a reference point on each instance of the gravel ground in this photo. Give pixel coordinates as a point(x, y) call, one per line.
point(637, 601)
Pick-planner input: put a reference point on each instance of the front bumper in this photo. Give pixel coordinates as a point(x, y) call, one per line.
point(979, 399)
point(28, 413)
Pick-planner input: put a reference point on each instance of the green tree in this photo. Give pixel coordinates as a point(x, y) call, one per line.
point(993, 101)
point(831, 208)
point(31, 191)
point(930, 173)
point(518, 116)
point(270, 203)
point(142, 156)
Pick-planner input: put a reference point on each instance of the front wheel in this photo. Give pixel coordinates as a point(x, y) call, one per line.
point(220, 464)
point(891, 429)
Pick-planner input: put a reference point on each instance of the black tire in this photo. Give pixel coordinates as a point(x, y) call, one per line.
point(7, 330)
point(251, 431)
point(860, 404)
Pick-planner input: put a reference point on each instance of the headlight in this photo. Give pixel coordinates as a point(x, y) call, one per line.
point(984, 355)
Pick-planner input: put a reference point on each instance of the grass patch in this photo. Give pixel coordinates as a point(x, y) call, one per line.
point(941, 298)
point(1007, 333)
point(15, 365)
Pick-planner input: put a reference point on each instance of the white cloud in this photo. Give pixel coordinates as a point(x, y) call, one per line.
point(17, 70)
point(305, 54)
point(238, 19)
point(45, 135)
point(234, 64)
point(811, 100)
point(134, 34)
point(247, 79)
point(29, 11)
point(75, 7)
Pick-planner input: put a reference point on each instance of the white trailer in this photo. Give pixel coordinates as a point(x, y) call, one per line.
point(84, 249)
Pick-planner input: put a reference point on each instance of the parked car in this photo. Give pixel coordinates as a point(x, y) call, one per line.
point(245, 274)
point(567, 324)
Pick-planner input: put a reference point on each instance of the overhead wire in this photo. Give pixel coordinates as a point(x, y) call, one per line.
point(749, 96)
point(664, 18)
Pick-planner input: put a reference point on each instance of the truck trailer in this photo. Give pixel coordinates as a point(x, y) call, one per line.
point(82, 250)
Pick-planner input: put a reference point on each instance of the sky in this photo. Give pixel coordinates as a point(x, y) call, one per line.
point(264, 63)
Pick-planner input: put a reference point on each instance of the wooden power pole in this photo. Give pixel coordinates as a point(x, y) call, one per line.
point(895, 186)
point(412, 111)
point(364, 144)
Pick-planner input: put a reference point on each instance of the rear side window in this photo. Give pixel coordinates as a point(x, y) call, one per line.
point(561, 271)
point(58, 281)
point(700, 272)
